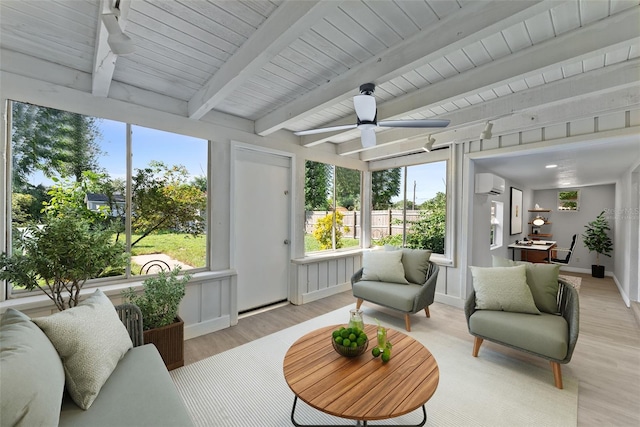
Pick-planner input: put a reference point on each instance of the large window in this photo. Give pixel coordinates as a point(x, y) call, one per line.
point(332, 207)
point(73, 166)
point(410, 206)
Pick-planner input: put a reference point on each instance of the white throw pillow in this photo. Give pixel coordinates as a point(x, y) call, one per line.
point(383, 266)
point(90, 339)
point(503, 288)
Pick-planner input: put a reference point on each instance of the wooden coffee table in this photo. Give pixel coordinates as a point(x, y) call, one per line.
point(361, 388)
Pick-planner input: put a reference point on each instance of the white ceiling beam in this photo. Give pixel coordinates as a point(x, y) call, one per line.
point(552, 54)
point(481, 20)
point(286, 24)
point(604, 90)
point(104, 60)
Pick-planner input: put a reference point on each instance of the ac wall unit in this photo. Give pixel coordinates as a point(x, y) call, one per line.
point(488, 183)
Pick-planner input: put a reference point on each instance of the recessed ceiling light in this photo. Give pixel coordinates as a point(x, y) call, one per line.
point(551, 166)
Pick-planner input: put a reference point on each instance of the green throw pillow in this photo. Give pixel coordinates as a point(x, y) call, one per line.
point(503, 288)
point(415, 263)
point(90, 339)
point(542, 280)
point(31, 374)
point(383, 266)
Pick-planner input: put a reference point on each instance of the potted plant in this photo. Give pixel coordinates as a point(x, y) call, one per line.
point(159, 302)
point(58, 257)
point(597, 240)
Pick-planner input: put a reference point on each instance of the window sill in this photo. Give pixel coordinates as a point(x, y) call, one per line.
point(38, 300)
point(324, 256)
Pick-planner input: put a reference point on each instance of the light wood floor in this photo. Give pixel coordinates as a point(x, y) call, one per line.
point(606, 360)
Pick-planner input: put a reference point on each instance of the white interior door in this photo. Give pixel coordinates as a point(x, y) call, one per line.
point(261, 212)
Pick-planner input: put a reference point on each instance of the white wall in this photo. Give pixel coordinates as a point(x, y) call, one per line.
point(565, 224)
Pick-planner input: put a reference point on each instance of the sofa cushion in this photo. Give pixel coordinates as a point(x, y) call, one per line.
point(503, 288)
point(383, 266)
point(415, 263)
point(139, 392)
point(394, 295)
point(90, 339)
point(31, 377)
point(545, 334)
point(542, 280)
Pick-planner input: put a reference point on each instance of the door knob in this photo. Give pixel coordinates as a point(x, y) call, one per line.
point(286, 241)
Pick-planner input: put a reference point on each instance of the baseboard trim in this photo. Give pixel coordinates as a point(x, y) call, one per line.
point(326, 292)
point(635, 309)
point(206, 327)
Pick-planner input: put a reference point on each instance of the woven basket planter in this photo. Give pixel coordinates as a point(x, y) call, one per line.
point(169, 340)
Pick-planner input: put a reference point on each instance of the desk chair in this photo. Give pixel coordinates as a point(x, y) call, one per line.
point(569, 251)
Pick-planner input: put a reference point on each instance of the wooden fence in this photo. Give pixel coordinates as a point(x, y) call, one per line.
point(383, 223)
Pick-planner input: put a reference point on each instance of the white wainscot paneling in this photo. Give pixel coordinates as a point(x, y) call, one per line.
point(534, 135)
point(611, 121)
point(582, 127)
point(323, 275)
point(555, 131)
point(634, 118)
point(510, 140)
point(209, 305)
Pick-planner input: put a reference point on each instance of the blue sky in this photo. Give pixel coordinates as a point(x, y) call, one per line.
point(430, 179)
point(148, 144)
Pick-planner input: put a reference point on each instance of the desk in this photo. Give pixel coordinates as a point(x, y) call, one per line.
point(361, 388)
point(538, 248)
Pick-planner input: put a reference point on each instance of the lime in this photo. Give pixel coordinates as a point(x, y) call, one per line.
point(354, 345)
point(338, 340)
point(375, 352)
point(353, 337)
point(335, 334)
point(346, 342)
point(345, 333)
point(360, 341)
point(386, 355)
point(363, 336)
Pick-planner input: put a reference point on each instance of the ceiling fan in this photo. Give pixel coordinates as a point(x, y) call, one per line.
point(365, 106)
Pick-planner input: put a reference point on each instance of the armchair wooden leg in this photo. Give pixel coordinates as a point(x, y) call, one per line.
point(476, 346)
point(426, 310)
point(359, 302)
point(557, 374)
point(407, 322)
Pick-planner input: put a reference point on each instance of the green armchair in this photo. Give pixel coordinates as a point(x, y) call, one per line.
point(550, 336)
point(405, 297)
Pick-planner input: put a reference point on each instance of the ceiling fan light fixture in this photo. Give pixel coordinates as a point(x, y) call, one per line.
point(428, 146)
point(486, 133)
point(365, 106)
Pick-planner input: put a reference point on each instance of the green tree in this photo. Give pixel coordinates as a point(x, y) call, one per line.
point(348, 188)
point(51, 141)
point(428, 232)
point(385, 185)
point(316, 189)
point(163, 199)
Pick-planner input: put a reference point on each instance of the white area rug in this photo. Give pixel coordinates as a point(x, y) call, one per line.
point(245, 386)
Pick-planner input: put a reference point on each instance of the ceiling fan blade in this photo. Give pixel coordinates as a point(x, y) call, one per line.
point(322, 130)
point(368, 137)
point(425, 123)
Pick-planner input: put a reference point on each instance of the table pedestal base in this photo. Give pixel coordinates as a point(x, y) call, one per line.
point(358, 423)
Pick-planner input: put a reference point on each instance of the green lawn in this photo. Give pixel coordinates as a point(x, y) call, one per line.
point(312, 245)
point(182, 247)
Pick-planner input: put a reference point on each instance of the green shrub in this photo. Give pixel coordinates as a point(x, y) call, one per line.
point(323, 230)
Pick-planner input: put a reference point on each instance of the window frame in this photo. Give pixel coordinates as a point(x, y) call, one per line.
point(446, 154)
point(8, 293)
point(332, 208)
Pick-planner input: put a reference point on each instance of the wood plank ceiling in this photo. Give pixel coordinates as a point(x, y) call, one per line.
point(296, 65)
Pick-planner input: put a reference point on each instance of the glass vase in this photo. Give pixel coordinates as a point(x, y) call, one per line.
point(355, 319)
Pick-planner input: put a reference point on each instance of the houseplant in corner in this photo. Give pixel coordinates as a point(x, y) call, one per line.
point(60, 256)
point(597, 240)
point(159, 302)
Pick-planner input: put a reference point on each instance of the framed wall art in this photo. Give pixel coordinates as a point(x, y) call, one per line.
point(516, 211)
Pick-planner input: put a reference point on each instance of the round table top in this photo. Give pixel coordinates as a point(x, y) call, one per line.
point(362, 387)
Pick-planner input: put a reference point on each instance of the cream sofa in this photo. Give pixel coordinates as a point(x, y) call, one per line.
point(35, 383)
